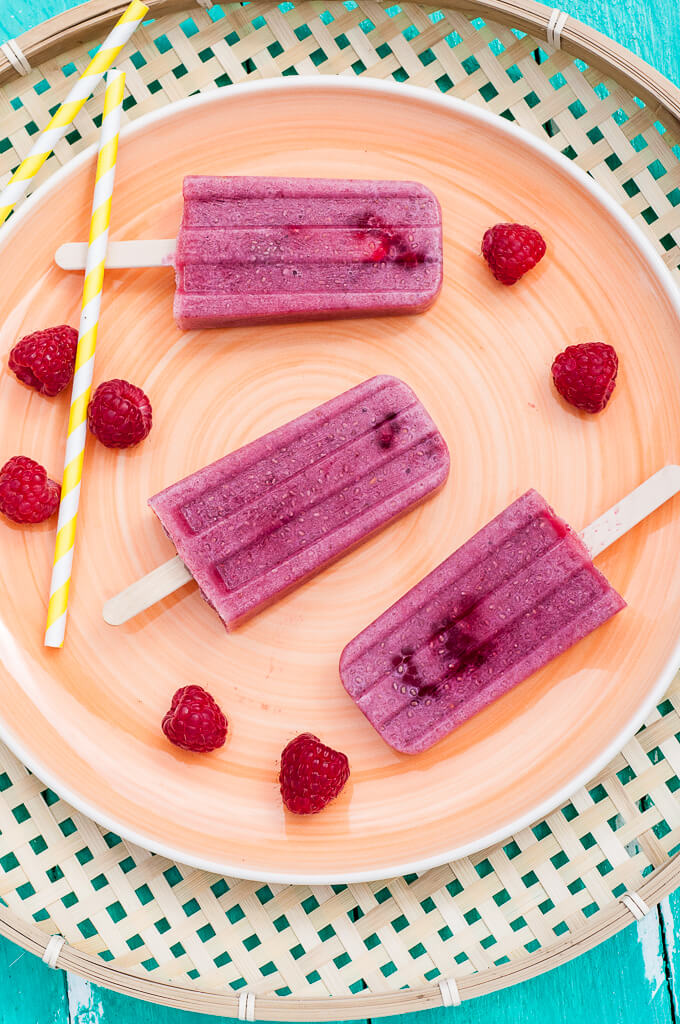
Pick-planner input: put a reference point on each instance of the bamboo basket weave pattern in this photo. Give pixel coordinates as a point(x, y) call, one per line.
point(164, 931)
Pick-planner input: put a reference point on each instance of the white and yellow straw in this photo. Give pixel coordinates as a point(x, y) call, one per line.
point(46, 141)
point(87, 342)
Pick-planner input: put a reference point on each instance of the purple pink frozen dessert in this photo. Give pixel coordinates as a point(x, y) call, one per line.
point(516, 595)
point(260, 520)
point(253, 250)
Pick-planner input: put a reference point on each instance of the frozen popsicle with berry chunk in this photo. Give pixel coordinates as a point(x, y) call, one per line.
point(253, 249)
point(516, 595)
point(258, 521)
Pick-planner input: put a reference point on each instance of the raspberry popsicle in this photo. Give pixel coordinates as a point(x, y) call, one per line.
point(516, 595)
point(253, 250)
point(260, 520)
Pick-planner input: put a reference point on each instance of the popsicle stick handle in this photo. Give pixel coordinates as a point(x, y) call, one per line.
point(631, 510)
point(147, 252)
point(143, 593)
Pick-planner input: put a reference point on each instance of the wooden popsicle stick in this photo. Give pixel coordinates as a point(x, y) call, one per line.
point(144, 252)
point(141, 594)
point(631, 510)
point(601, 533)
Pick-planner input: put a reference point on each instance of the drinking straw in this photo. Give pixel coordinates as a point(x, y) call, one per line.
point(84, 368)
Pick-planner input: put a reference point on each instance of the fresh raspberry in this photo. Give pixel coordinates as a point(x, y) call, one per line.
point(119, 414)
point(45, 359)
point(195, 721)
point(511, 250)
point(586, 374)
point(27, 495)
point(312, 774)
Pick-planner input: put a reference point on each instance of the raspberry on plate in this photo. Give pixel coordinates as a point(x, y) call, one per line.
point(585, 374)
point(195, 721)
point(511, 250)
point(312, 774)
point(119, 414)
point(45, 359)
point(27, 495)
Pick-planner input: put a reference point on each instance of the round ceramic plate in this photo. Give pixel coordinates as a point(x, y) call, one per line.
point(87, 718)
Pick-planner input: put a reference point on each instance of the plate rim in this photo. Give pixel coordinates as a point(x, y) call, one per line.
point(662, 274)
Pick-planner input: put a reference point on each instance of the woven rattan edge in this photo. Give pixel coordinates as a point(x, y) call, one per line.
point(584, 42)
point(579, 40)
point(81, 24)
point(607, 923)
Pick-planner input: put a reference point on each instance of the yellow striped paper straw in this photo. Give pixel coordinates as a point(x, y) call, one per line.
point(87, 343)
point(46, 141)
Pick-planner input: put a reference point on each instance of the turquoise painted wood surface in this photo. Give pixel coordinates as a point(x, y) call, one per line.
point(632, 979)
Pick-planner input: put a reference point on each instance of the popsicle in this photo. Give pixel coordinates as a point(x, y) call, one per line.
point(512, 598)
point(258, 521)
point(256, 250)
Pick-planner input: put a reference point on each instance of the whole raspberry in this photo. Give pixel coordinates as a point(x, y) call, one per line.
point(586, 374)
point(195, 721)
point(312, 774)
point(511, 250)
point(27, 495)
point(45, 359)
point(119, 414)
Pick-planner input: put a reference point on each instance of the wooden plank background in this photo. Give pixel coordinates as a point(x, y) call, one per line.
point(632, 979)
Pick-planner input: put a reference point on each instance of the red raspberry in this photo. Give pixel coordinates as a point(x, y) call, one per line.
point(119, 414)
point(511, 250)
point(195, 721)
point(312, 774)
point(45, 359)
point(27, 495)
point(586, 374)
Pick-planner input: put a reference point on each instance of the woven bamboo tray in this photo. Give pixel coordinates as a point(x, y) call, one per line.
point(176, 935)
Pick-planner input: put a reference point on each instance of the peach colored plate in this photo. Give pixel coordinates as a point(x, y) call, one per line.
point(87, 718)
